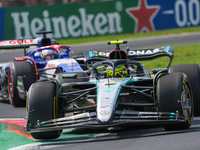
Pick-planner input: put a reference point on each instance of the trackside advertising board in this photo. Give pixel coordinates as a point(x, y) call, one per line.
point(99, 18)
point(2, 14)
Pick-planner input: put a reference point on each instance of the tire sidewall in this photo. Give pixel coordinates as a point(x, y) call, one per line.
point(170, 89)
point(193, 73)
point(21, 68)
point(41, 107)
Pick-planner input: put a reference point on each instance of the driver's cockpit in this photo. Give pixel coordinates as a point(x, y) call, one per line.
point(115, 68)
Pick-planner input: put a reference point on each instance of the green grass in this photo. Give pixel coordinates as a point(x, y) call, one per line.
point(187, 54)
point(127, 36)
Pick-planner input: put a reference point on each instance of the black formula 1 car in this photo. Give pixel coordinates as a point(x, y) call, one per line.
point(117, 91)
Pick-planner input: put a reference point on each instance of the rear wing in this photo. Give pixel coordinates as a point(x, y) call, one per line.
point(97, 55)
point(150, 54)
point(9, 44)
point(25, 43)
point(139, 55)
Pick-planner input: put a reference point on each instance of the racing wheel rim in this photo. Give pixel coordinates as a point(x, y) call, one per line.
point(186, 100)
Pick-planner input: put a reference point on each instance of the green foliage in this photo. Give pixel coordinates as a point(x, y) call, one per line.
point(187, 54)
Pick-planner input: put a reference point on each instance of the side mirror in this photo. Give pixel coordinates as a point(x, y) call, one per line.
point(69, 76)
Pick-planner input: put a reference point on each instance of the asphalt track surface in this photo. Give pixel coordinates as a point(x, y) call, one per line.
point(134, 138)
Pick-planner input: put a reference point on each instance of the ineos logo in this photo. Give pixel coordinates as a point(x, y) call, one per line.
point(104, 112)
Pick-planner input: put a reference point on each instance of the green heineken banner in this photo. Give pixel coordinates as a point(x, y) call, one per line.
point(99, 18)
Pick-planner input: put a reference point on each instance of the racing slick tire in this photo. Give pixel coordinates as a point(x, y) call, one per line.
point(193, 73)
point(41, 107)
point(24, 69)
point(174, 95)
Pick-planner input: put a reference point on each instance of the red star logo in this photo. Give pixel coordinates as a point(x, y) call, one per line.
point(143, 15)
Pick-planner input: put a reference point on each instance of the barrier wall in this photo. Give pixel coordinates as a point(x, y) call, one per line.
point(2, 14)
point(98, 18)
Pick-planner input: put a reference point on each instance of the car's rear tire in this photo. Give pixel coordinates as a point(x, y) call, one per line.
point(19, 68)
point(193, 73)
point(174, 95)
point(41, 107)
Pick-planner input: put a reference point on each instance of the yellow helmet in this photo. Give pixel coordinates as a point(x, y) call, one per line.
point(120, 71)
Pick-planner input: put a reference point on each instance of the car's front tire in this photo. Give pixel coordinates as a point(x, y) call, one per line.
point(193, 73)
point(42, 106)
point(174, 95)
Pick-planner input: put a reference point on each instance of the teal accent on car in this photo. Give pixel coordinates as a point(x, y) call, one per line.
point(97, 84)
point(125, 82)
point(90, 54)
point(160, 69)
point(167, 49)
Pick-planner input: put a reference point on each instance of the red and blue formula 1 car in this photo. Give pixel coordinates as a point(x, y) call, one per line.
point(119, 91)
point(17, 76)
